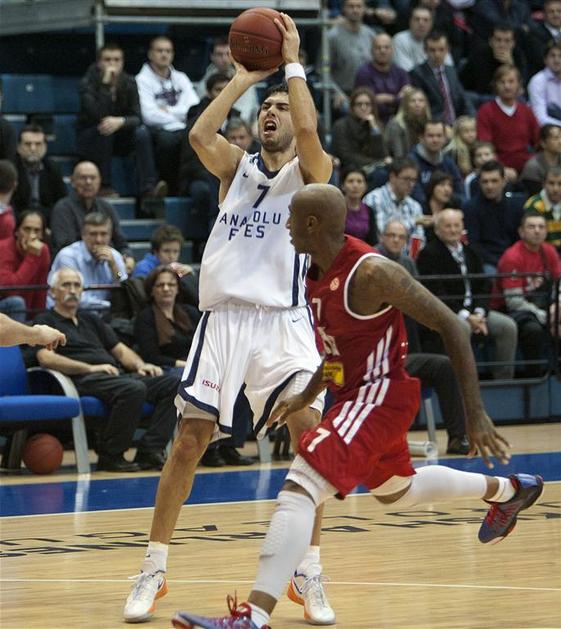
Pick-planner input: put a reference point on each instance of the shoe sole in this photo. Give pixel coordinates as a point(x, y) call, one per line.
point(511, 528)
point(295, 597)
point(159, 594)
point(179, 624)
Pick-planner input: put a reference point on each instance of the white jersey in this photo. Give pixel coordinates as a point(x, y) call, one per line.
point(249, 256)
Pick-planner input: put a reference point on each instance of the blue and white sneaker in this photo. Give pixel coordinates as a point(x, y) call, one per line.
point(307, 590)
point(501, 517)
point(239, 618)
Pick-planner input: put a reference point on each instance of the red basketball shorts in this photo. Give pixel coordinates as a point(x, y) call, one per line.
point(362, 439)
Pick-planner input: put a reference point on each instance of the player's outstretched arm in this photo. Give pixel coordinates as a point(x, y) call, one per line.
point(378, 282)
point(293, 404)
point(14, 333)
point(315, 163)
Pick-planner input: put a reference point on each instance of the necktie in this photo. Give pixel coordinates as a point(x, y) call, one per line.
point(448, 113)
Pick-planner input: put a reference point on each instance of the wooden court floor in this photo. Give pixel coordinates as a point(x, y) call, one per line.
point(422, 568)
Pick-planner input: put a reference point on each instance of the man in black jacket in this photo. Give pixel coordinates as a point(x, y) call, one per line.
point(467, 297)
point(40, 183)
point(109, 122)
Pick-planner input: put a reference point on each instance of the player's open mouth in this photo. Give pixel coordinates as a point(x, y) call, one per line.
point(270, 125)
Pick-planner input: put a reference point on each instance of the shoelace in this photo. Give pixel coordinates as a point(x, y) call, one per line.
point(237, 613)
point(140, 583)
point(314, 585)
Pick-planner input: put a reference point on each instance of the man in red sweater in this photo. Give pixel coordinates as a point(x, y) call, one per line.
point(510, 125)
point(528, 298)
point(25, 260)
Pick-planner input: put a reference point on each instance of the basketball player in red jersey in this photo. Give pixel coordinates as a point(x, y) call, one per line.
point(358, 298)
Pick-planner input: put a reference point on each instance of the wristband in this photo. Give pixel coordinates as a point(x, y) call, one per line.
point(294, 70)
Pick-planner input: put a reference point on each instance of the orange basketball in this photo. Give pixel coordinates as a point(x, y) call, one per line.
point(255, 41)
point(42, 454)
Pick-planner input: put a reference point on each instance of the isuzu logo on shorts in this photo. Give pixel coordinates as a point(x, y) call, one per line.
point(211, 385)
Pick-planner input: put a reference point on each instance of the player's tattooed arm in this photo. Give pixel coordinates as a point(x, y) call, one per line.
point(380, 282)
point(315, 386)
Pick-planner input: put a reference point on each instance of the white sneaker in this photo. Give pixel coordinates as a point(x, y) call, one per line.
point(141, 602)
point(308, 591)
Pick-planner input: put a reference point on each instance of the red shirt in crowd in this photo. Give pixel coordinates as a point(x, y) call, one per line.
point(7, 222)
point(19, 269)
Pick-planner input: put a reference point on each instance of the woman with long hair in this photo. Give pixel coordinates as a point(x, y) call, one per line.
point(357, 138)
point(462, 143)
point(440, 196)
point(405, 128)
point(360, 222)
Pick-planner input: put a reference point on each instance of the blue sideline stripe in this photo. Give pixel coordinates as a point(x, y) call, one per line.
point(130, 493)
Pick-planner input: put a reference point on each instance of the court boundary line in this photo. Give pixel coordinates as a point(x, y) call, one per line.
point(200, 504)
point(469, 586)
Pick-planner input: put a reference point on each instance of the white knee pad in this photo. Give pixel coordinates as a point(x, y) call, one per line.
point(303, 474)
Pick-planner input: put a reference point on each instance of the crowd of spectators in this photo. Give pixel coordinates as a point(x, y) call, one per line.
point(446, 139)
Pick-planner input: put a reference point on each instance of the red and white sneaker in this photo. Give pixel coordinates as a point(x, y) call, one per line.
point(239, 618)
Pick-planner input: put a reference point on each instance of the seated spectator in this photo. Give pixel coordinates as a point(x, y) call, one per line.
point(8, 136)
point(544, 88)
point(548, 203)
point(97, 262)
point(247, 104)
point(429, 156)
point(533, 173)
point(485, 152)
point(544, 33)
point(40, 183)
point(8, 183)
point(109, 122)
point(101, 366)
point(510, 125)
point(357, 139)
point(69, 213)
point(483, 61)
point(383, 77)
point(440, 195)
point(25, 261)
point(440, 82)
point(526, 298)
point(486, 14)
point(350, 45)
point(492, 217)
point(238, 132)
point(433, 370)
point(408, 45)
point(447, 255)
point(393, 200)
point(165, 98)
point(463, 139)
point(405, 129)
point(361, 222)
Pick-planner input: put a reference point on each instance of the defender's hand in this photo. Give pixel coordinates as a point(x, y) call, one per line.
point(286, 408)
point(484, 438)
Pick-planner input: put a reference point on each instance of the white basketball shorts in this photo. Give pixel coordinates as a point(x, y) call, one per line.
point(241, 343)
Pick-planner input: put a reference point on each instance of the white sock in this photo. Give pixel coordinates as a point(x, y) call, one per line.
point(286, 542)
point(311, 564)
point(437, 483)
point(259, 616)
point(156, 558)
point(505, 491)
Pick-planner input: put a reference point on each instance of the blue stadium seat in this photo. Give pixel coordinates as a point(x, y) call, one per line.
point(140, 229)
point(18, 121)
point(125, 207)
point(65, 163)
point(94, 407)
point(27, 93)
point(179, 211)
point(123, 176)
point(66, 94)
point(64, 132)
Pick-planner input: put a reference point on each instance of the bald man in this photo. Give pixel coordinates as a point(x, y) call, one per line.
point(358, 298)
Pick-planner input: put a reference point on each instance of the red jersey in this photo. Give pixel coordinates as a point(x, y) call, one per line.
point(359, 349)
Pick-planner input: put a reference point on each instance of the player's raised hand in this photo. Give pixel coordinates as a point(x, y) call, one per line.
point(250, 76)
point(47, 336)
point(484, 438)
point(290, 39)
point(286, 408)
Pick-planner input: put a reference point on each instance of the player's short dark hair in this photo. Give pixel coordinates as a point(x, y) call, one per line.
point(279, 88)
point(20, 218)
point(8, 176)
point(213, 79)
point(491, 166)
point(165, 233)
point(30, 128)
point(401, 163)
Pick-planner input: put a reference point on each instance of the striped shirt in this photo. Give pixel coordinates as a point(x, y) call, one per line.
point(387, 207)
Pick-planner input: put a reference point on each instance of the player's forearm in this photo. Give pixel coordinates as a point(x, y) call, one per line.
point(210, 121)
point(67, 366)
point(12, 332)
point(302, 107)
point(316, 385)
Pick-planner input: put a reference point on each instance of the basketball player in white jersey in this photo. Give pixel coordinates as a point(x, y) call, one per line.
point(256, 328)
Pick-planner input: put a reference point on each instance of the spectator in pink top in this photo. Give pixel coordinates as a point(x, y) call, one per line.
point(510, 125)
point(360, 217)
